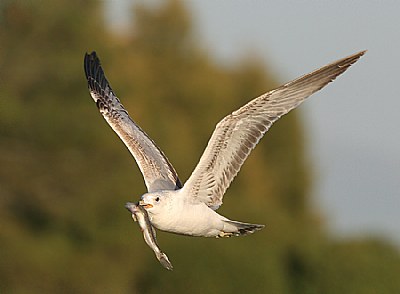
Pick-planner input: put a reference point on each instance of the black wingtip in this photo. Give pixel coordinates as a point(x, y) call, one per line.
point(94, 73)
point(90, 62)
point(92, 55)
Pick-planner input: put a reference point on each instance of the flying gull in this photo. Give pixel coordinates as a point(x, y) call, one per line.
point(190, 209)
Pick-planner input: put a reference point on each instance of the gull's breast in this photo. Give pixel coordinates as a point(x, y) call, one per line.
point(192, 220)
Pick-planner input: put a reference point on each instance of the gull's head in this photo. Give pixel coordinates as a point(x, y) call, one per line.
point(153, 202)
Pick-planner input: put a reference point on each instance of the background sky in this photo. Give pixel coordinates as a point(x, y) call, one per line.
point(352, 128)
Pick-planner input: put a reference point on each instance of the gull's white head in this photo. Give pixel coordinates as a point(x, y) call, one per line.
point(154, 202)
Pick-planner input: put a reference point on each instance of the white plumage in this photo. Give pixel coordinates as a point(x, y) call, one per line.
point(190, 210)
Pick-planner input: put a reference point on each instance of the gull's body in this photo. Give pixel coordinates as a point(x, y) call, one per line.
point(195, 219)
point(190, 209)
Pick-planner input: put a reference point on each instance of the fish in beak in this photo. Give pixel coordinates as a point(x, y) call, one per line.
point(145, 205)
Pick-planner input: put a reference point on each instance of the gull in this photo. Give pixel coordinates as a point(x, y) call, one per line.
point(190, 209)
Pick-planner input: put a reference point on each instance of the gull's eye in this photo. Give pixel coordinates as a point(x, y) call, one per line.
point(157, 199)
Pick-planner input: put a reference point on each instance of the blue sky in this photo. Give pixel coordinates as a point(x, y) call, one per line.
point(352, 127)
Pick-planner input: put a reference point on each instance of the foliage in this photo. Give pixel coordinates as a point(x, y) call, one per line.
point(65, 176)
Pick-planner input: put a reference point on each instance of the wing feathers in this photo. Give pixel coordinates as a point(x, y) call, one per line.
point(238, 133)
point(157, 171)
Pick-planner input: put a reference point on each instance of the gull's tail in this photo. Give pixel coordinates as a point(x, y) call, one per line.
point(239, 229)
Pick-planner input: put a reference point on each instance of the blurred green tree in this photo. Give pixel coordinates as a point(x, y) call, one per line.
point(65, 176)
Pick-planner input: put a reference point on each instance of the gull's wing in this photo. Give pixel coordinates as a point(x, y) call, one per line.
point(157, 171)
point(238, 133)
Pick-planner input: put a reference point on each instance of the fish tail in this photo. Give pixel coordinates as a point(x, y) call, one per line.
point(163, 259)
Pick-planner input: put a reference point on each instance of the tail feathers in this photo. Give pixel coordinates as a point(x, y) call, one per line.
point(240, 229)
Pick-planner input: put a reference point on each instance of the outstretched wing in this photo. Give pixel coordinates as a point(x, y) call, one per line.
point(157, 171)
point(238, 133)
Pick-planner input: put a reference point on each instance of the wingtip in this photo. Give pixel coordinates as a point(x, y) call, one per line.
point(91, 64)
point(93, 54)
point(351, 59)
point(91, 57)
point(361, 53)
point(356, 56)
point(87, 60)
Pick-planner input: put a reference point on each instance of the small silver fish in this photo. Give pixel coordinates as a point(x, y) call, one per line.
point(140, 215)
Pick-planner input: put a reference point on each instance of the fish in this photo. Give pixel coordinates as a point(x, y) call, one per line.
point(140, 215)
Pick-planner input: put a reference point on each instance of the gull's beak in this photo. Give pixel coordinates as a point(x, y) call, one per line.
point(145, 205)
